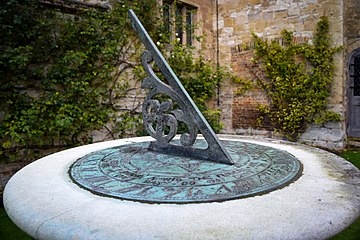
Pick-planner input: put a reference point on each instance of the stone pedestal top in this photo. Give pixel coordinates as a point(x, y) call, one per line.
point(44, 202)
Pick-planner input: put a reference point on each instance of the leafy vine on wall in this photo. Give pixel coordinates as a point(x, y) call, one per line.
point(297, 80)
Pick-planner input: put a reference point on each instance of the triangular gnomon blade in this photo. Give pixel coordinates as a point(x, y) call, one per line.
point(160, 121)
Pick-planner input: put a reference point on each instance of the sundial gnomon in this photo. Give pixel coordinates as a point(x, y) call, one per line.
point(158, 113)
point(186, 170)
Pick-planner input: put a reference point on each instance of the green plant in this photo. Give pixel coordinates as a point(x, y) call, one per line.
point(297, 80)
point(62, 76)
point(200, 78)
point(59, 72)
point(352, 155)
point(8, 230)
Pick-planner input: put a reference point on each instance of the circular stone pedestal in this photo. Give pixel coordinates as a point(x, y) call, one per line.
point(43, 200)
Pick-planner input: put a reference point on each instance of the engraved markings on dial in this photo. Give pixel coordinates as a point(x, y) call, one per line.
point(132, 172)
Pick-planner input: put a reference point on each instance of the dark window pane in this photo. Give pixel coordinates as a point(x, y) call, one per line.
point(357, 76)
point(178, 25)
point(189, 27)
point(167, 20)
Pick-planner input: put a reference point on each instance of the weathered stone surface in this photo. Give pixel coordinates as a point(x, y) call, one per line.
point(330, 135)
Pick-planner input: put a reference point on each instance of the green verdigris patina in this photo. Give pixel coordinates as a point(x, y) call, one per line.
point(132, 172)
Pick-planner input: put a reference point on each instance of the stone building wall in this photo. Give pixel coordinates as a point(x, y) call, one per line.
point(230, 23)
point(266, 18)
point(352, 21)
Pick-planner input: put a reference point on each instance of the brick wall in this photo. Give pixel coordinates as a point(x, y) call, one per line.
point(245, 113)
point(245, 105)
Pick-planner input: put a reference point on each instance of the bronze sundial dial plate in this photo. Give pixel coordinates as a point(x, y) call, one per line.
point(132, 172)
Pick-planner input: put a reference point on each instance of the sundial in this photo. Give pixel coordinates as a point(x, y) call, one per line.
point(184, 170)
point(132, 172)
point(188, 186)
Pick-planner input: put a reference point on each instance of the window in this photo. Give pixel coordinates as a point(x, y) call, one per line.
point(167, 17)
point(356, 75)
point(189, 27)
point(179, 21)
point(179, 24)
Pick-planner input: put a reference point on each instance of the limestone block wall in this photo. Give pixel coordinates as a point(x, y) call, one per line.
point(352, 21)
point(266, 18)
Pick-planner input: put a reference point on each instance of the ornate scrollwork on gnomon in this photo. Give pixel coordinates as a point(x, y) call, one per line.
point(160, 121)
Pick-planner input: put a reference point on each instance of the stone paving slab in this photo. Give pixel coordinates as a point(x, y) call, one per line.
point(43, 201)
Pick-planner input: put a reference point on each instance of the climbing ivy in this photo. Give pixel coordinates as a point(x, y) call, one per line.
point(56, 70)
point(297, 80)
point(62, 75)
